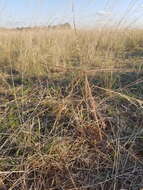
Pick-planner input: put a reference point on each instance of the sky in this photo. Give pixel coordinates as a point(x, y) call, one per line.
point(14, 13)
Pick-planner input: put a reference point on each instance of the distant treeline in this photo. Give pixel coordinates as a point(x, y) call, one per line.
point(58, 26)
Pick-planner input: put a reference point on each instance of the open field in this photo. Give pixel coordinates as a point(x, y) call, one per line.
point(71, 109)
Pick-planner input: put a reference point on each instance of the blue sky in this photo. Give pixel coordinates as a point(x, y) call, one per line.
point(87, 12)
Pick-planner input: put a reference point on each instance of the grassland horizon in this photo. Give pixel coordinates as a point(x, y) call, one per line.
point(71, 112)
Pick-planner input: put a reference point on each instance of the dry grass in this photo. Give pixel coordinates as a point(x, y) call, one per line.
point(71, 109)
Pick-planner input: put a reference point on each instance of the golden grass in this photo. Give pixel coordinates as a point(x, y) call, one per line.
point(36, 51)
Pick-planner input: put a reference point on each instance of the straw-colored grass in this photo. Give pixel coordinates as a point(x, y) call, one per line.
point(71, 109)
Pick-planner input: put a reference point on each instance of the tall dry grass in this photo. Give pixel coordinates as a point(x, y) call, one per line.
point(35, 51)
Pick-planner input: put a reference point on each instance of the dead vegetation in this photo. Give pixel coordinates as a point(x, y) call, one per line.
point(71, 110)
